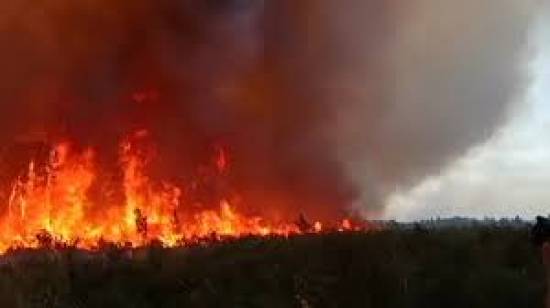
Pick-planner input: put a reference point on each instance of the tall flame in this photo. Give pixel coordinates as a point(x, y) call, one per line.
point(53, 204)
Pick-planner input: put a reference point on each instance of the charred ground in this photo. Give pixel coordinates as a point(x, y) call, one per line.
point(469, 267)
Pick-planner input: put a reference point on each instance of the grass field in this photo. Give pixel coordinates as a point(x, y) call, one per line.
point(476, 267)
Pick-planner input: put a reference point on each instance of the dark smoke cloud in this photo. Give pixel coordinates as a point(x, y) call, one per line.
point(322, 103)
point(453, 71)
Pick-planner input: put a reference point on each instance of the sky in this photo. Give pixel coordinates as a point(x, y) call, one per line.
point(507, 176)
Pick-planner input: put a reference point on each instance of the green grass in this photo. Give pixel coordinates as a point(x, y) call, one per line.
point(479, 267)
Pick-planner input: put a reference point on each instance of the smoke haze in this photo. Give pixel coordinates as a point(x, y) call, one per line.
point(323, 104)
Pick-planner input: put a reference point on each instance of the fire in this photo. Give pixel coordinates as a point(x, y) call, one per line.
point(318, 226)
point(54, 204)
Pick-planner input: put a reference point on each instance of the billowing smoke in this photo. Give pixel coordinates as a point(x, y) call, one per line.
point(323, 104)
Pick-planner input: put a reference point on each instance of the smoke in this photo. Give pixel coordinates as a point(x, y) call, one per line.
point(323, 104)
point(404, 89)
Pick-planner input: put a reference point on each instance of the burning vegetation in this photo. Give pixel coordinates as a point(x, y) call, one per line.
point(258, 114)
point(63, 201)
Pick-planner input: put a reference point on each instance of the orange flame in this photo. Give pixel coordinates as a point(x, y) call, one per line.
point(53, 205)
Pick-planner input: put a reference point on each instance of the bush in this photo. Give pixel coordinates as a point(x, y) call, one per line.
point(477, 267)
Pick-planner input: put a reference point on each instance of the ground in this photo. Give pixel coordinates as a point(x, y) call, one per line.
point(474, 267)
